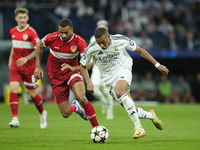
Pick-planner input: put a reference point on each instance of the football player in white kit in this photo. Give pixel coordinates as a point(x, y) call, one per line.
point(100, 91)
point(109, 53)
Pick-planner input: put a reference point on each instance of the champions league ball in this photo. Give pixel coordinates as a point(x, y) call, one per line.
point(99, 134)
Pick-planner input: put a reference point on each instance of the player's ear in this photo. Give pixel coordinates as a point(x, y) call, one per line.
point(27, 18)
point(72, 29)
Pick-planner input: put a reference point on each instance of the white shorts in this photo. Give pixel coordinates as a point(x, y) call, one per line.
point(125, 74)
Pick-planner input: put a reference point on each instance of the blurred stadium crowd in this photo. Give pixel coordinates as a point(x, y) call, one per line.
point(164, 25)
point(154, 24)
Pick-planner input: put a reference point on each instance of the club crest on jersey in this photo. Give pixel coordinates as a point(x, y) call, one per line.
point(116, 49)
point(25, 36)
point(73, 48)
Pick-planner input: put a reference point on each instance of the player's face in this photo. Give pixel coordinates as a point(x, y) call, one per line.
point(65, 33)
point(104, 41)
point(22, 19)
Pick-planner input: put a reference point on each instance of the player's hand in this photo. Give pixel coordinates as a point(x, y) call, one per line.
point(37, 72)
point(66, 67)
point(90, 87)
point(21, 61)
point(163, 69)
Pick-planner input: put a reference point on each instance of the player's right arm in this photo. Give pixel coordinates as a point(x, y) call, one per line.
point(11, 57)
point(38, 57)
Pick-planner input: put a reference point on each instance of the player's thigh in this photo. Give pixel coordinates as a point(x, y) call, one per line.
point(60, 91)
point(64, 108)
point(123, 82)
point(15, 78)
point(79, 90)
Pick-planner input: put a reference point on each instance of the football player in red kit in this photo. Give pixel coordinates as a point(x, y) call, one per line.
point(64, 71)
point(22, 66)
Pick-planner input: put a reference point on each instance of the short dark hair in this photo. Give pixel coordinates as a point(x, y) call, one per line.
point(65, 22)
point(99, 32)
point(20, 10)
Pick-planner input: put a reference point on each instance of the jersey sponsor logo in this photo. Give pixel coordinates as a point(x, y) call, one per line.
point(109, 58)
point(73, 48)
point(100, 53)
point(116, 49)
point(25, 36)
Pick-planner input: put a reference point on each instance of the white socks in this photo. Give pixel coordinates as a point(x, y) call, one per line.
point(130, 109)
point(142, 114)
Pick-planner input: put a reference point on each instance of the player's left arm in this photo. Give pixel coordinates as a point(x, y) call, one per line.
point(147, 56)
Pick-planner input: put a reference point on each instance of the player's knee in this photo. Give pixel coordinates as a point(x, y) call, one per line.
point(65, 114)
point(119, 93)
point(82, 100)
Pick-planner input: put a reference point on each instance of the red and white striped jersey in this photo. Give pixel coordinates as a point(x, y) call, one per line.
point(62, 52)
point(24, 42)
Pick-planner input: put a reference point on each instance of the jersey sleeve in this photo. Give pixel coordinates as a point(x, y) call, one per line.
point(82, 46)
point(86, 57)
point(34, 37)
point(47, 40)
point(131, 45)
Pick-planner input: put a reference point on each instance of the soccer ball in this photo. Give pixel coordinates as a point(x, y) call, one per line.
point(99, 134)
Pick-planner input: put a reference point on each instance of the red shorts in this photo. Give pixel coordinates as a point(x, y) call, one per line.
point(29, 80)
point(62, 85)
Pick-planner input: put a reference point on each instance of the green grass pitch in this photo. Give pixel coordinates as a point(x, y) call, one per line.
point(181, 130)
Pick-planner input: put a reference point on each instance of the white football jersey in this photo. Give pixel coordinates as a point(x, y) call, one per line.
point(111, 60)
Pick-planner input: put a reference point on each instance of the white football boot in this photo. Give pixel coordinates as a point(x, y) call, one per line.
point(43, 120)
point(14, 122)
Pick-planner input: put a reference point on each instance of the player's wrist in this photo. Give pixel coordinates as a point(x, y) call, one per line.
point(157, 65)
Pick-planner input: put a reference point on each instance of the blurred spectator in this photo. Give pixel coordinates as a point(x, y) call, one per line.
point(165, 27)
point(144, 41)
point(196, 88)
point(188, 42)
point(119, 26)
point(130, 34)
point(171, 42)
point(135, 87)
point(85, 8)
point(148, 88)
point(167, 5)
point(63, 10)
point(20, 3)
point(182, 91)
point(165, 89)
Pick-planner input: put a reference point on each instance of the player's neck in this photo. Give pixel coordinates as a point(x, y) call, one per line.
point(22, 27)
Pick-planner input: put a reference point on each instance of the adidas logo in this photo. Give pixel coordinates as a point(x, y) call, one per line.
point(100, 53)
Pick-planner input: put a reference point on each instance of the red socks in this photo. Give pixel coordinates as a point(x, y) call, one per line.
point(37, 100)
point(72, 109)
point(14, 104)
point(90, 113)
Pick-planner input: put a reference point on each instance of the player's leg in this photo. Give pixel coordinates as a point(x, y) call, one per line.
point(100, 96)
point(37, 100)
point(14, 104)
point(31, 85)
point(14, 82)
point(122, 90)
point(79, 90)
point(98, 93)
point(109, 106)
